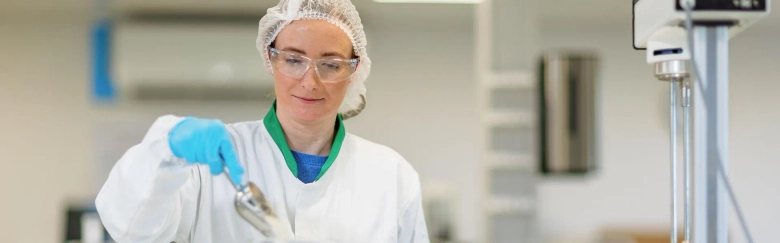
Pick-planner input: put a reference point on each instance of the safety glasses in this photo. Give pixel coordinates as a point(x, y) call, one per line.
point(295, 65)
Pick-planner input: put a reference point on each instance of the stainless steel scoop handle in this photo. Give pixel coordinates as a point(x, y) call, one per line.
point(238, 187)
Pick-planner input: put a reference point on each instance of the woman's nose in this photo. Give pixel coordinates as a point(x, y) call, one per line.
point(310, 79)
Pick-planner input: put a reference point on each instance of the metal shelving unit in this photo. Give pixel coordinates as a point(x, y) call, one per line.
point(506, 88)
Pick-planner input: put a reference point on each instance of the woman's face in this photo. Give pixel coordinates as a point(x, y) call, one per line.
point(308, 99)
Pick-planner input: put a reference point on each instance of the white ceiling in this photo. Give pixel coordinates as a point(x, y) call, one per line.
point(374, 14)
point(367, 8)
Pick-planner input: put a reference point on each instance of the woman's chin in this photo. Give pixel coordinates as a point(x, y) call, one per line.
point(309, 117)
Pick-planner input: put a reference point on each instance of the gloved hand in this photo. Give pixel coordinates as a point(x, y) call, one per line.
point(206, 142)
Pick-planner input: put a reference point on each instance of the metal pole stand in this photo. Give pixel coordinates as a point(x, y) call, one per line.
point(710, 134)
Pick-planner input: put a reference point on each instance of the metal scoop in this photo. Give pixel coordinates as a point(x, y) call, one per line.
point(252, 205)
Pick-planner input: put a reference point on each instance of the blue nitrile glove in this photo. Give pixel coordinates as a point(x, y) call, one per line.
point(206, 142)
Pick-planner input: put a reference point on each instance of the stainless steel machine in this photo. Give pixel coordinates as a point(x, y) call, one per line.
point(674, 32)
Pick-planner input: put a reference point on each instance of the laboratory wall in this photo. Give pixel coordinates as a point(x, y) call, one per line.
point(630, 191)
point(44, 146)
point(55, 140)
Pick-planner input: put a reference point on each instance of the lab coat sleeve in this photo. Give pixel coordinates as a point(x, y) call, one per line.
point(412, 228)
point(150, 195)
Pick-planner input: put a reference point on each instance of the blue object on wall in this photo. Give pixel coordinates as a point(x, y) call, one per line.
point(102, 85)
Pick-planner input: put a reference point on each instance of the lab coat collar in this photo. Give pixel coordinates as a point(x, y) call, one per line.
point(271, 122)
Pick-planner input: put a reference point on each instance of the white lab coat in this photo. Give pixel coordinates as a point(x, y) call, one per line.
point(370, 193)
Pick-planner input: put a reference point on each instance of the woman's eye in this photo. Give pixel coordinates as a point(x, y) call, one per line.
point(293, 61)
point(331, 65)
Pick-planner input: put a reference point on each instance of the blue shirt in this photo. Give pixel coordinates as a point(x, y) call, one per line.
point(309, 165)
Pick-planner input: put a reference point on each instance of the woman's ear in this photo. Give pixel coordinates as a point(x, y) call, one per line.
point(358, 63)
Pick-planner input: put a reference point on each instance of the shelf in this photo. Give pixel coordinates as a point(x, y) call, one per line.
point(509, 80)
point(511, 161)
point(511, 118)
point(510, 205)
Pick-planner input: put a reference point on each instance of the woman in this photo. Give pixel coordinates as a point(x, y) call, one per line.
point(324, 183)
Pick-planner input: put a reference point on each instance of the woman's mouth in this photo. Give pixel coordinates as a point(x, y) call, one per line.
point(308, 100)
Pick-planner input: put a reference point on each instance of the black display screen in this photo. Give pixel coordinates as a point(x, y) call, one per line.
point(728, 5)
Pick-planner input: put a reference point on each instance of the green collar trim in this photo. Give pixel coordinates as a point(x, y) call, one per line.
point(273, 126)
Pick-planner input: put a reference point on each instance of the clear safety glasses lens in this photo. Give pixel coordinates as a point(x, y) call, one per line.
point(294, 65)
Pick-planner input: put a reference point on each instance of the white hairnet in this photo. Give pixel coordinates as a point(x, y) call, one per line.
point(338, 12)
